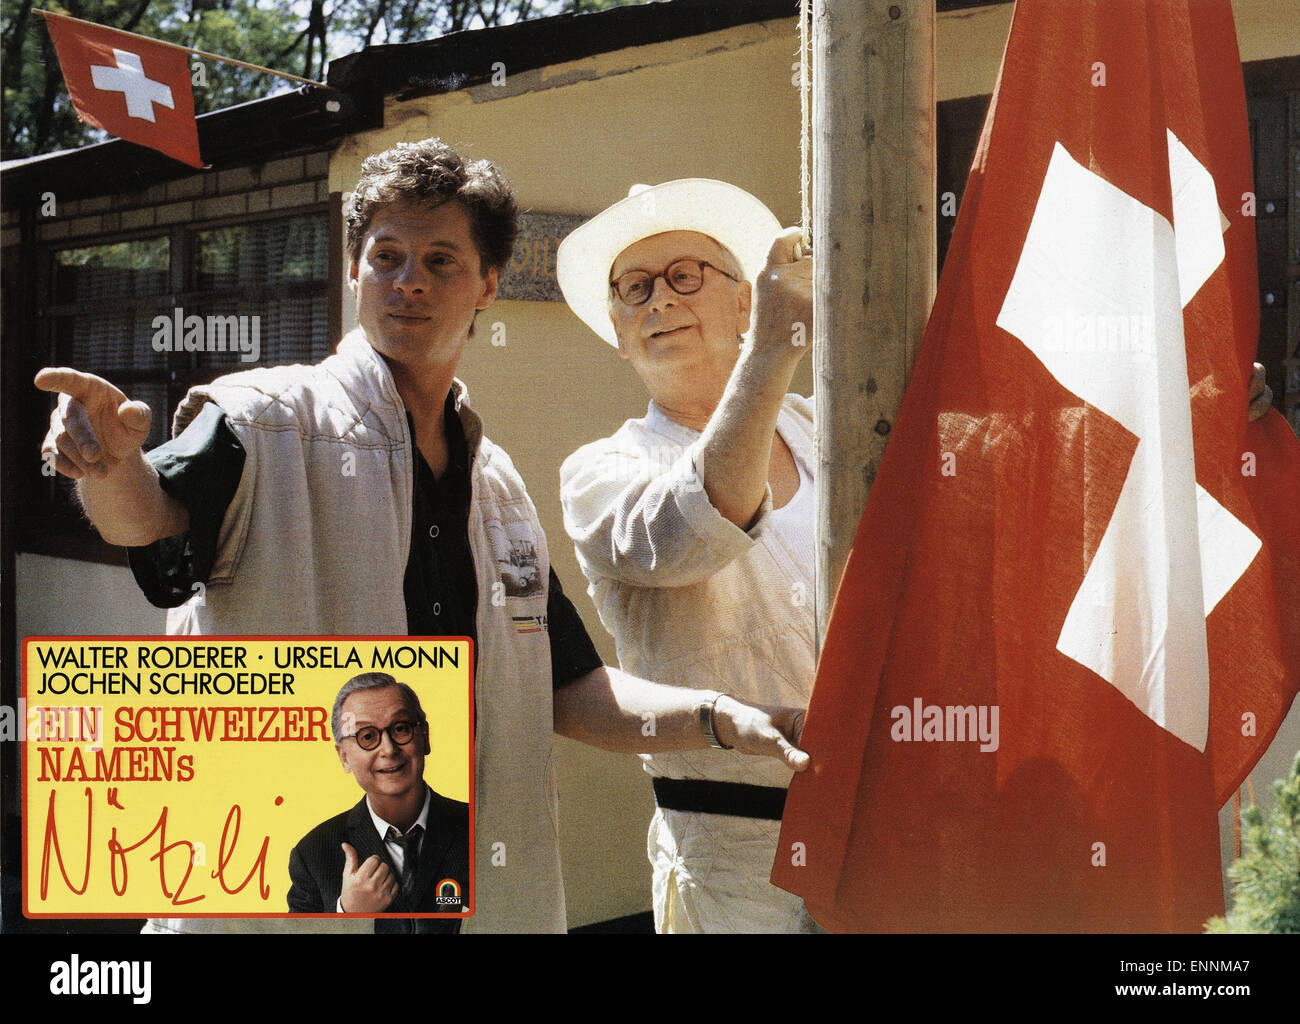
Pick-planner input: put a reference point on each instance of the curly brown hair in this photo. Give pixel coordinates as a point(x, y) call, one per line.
point(430, 172)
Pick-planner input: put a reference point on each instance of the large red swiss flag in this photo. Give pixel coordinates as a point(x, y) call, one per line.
point(1074, 527)
point(133, 87)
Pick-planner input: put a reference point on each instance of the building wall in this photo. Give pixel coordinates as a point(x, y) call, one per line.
point(58, 597)
point(277, 185)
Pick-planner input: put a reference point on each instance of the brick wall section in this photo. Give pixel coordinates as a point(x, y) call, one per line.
point(208, 195)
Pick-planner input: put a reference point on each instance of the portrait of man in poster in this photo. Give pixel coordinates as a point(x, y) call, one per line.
point(404, 847)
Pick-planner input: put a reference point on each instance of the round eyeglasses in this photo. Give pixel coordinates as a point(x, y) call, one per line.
point(685, 277)
point(370, 736)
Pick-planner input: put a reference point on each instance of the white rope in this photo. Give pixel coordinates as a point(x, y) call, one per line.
point(805, 128)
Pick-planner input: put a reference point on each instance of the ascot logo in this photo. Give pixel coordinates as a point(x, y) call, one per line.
point(448, 892)
point(132, 978)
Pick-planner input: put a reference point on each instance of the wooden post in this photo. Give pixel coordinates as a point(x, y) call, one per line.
point(874, 245)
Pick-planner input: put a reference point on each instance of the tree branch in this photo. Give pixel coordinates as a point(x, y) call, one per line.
point(134, 20)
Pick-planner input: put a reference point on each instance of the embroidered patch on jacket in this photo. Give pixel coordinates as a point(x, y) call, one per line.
point(517, 561)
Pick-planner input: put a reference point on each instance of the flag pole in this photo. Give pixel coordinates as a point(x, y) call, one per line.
point(188, 49)
point(874, 235)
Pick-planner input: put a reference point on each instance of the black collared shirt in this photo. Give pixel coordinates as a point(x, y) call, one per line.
point(201, 468)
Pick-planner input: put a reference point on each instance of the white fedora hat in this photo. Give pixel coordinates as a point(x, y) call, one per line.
point(728, 214)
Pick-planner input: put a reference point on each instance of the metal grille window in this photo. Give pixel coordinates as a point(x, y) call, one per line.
point(157, 315)
point(104, 297)
point(111, 271)
point(284, 252)
point(275, 270)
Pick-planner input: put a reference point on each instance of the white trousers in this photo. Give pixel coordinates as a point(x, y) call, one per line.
point(711, 875)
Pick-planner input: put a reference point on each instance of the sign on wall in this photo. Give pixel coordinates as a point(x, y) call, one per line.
point(530, 276)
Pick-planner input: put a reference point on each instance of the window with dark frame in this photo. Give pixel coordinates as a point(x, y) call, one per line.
point(111, 307)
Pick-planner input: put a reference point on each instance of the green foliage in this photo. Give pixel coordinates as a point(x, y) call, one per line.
point(1266, 893)
point(296, 36)
point(144, 254)
point(38, 116)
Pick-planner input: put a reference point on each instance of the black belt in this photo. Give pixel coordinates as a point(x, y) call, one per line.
point(738, 799)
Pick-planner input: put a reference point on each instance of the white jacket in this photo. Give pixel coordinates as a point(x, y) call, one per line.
point(309, 548)
point(690, 598)
point(693, 600)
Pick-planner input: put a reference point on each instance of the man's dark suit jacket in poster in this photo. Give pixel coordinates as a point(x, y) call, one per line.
point(316, 864)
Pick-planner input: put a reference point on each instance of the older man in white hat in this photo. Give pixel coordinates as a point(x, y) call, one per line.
point(694, 523)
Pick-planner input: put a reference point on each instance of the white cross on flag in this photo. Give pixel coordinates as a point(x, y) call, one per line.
point(133, 87)
point(1070, 623)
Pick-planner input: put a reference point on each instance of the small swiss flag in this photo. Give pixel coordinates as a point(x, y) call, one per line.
point(133, 87)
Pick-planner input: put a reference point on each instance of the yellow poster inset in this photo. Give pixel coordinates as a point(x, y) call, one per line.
point(215, 776)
